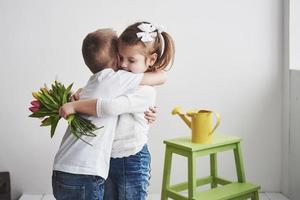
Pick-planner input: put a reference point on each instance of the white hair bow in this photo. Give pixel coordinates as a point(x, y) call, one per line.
point(148, 32)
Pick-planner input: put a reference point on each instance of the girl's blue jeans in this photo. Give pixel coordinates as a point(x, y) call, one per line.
point(128, 177)
point(68, 186)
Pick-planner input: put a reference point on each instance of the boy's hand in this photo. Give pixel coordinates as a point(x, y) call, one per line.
point(66, 110)
point(150, 114)
point(76, 96)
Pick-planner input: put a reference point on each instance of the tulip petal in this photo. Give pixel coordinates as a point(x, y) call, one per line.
point(33, 109)
point(36, 103)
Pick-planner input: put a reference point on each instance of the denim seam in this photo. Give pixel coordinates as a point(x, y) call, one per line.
point(124, 175)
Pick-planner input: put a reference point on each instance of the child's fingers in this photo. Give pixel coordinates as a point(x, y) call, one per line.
point(74, 97)
point(153, 109)
point(62, 113)
point(150, 121)
point(150, 116)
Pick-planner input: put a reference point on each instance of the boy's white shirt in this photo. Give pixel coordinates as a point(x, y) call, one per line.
point(132, 128)
point(77, 157)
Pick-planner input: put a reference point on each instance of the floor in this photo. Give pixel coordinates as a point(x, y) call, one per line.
point(262, 196)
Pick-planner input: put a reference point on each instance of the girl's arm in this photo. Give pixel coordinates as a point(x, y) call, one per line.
point(153, 78)
point(136, 102)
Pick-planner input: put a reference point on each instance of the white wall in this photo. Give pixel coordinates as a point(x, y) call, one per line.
point(294, 137)
point(228, 58)
point(291, 159)
point(294, 34)
point(285, 100)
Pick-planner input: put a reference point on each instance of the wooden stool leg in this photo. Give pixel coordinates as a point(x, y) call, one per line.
point(167, 173)
point(192, 175)
point(256, 196)
point(213, 169)
point(239, 163)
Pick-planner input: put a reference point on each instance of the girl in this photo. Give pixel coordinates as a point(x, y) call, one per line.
point(142, 48)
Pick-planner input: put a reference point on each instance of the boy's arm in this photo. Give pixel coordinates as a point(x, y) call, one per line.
point(153, 78)
point(87, 106)
point(90, 107)
point(138, 101)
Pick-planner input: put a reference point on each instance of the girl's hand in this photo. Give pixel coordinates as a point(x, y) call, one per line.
point(76, 96)
point(66, 110)
point(150, 115)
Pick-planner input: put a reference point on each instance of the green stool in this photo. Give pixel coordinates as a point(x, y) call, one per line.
point(229, 190)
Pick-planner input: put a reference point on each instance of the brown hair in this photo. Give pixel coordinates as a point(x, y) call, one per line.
point(162, 42)
point(99, 48)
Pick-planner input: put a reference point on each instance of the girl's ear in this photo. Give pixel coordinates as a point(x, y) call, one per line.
point(152, 59)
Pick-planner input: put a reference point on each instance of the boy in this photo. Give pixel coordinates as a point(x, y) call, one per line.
point(79, 169)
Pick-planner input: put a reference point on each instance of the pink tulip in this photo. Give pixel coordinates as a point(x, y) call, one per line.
point(34, 109)
point(36, 103)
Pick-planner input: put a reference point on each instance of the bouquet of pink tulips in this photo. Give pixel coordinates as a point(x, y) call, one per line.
point(46, 107)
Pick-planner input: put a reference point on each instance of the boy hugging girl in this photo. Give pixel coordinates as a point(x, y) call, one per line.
point(117, 163)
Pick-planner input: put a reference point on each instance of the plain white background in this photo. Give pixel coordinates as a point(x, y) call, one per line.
point(294, 158)
point(294, 34)
point(228, 58)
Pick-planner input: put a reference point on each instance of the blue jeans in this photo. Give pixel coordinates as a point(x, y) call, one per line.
point(68, 186)
point(128, 177)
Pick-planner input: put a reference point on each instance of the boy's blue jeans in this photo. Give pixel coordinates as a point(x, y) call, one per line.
point(128, 177)
point(68, 186)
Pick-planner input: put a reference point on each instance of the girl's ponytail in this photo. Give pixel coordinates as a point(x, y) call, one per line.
point(167, 57)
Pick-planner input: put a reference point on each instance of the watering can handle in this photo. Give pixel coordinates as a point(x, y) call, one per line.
point(218, 122)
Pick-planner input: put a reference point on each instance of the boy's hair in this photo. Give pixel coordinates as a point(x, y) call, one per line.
point(162, 45)
point(99, 48)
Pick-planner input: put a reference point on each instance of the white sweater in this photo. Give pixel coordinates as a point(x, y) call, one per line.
point(75, 156)
point(132, 128)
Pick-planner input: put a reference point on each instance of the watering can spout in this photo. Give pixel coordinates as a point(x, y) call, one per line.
point(177, 111)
